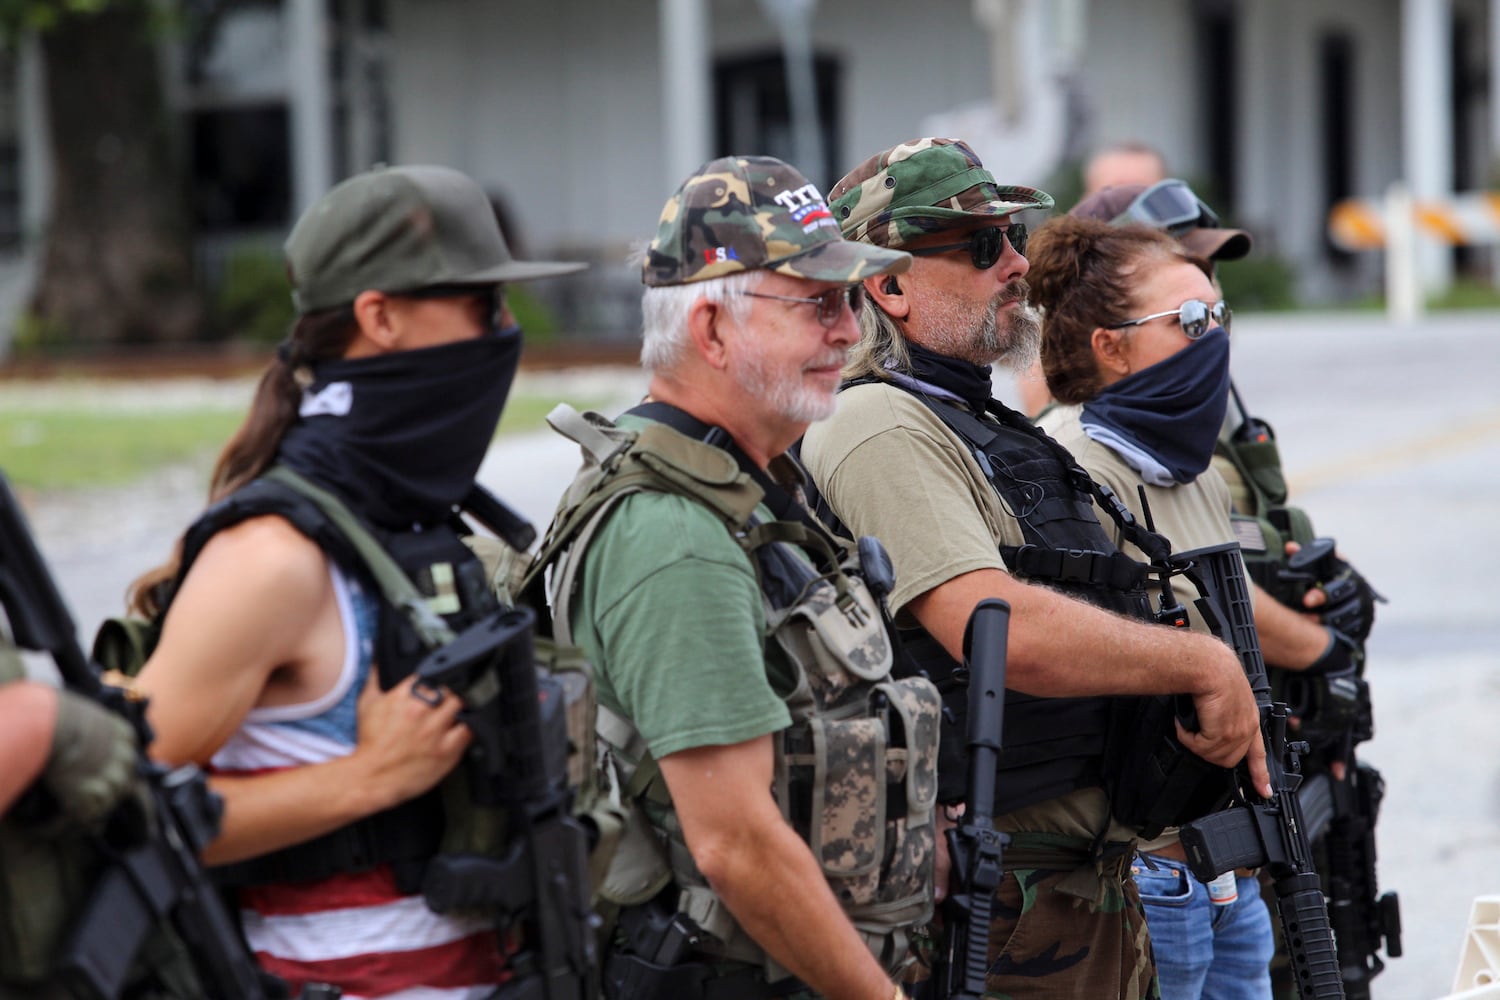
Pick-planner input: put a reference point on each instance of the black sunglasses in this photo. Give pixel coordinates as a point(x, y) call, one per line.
point(1196, 317)
point(985, 246)
point(830, 305)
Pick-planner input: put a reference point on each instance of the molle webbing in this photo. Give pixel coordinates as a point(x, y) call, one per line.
point(410, 833)
point(829, 627)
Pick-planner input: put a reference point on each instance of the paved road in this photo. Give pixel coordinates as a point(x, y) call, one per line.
point(1392, 440)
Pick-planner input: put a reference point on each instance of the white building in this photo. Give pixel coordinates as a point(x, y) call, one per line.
point(581, 116)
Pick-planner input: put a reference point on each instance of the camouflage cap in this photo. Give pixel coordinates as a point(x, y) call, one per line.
point(399, 229)
point(922, 186)
point(1112, 204)
point(748, 213)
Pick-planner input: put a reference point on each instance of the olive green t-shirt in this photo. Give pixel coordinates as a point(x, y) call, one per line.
point(890, 468)
point(1192, 515)
point(670, 614)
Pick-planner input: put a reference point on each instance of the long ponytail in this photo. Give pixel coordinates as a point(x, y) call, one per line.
point(318, 336)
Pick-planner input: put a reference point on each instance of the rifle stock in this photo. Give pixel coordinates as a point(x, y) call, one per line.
point(519, 761)
point(974, 846)
point(160, 879)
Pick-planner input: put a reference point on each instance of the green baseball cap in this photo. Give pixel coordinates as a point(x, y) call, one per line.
point(922, 186)
point(747, 213)
point(400, 229)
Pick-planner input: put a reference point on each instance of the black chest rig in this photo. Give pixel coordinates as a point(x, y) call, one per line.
point(1052, 745)
point(454, 583)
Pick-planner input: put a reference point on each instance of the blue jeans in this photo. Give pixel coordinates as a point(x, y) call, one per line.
point(1204, 950)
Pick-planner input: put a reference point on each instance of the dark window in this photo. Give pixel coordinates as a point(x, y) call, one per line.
point(1216, 53)
point(753, 114)
point(1469, 89)
point(241, 167)
point(10, 155)
point(1336, 120)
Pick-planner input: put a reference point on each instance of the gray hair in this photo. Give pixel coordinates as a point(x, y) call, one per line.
point(664, 314)
point(881, 346)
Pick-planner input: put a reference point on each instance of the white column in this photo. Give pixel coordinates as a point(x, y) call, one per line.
point(1494, 143)
point(1427, 121)
point(793, 20)
point(309, 100)
point(1493, 147)
point(686, 54)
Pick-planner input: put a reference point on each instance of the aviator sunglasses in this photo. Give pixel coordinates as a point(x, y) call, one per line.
point(830, 305)
point(1196, 317)
point(985, 246)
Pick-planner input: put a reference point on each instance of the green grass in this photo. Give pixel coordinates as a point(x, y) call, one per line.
point(48, 446)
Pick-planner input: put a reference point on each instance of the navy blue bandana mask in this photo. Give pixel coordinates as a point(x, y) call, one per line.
point(400, 436)
point(1165, 419)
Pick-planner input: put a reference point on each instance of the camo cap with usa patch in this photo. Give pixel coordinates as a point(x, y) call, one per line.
point(919, 187)
point(749, 213)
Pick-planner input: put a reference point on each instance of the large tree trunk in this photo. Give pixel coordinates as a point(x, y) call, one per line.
point(117, 258)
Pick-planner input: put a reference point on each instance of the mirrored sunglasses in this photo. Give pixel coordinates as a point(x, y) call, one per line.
point(1195, 316)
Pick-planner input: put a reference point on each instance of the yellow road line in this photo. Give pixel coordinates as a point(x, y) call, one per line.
point(1483, 431)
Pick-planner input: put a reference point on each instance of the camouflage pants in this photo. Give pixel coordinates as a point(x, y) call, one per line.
point(1047, 944)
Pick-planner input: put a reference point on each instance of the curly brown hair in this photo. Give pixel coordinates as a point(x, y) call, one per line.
point(1082, 277)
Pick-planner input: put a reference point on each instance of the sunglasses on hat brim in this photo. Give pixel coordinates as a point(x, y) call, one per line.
point(1169, 205)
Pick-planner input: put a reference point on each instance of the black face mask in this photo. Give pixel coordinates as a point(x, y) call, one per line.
point(400, 436)
point(966, 380)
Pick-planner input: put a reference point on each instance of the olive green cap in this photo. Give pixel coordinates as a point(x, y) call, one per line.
point(400, 229)
point(919, 187)
point(748, 213)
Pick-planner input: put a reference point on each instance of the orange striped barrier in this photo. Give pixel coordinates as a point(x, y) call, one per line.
point(1463, 219)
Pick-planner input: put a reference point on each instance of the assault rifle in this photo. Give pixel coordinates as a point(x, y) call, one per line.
point(974, 845)
point(1262, 832)
point(1340, 816)
point(153, 878)
point(519, 760)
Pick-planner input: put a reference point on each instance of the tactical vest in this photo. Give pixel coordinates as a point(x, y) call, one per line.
point(1263, 522)
point(1053, 746)
point(47, 875)
point(452, 591)
point(856, 771)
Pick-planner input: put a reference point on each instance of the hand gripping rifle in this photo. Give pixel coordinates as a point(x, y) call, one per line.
point(157, 877)
point(1255, 831)
point(975, 846)
point(519, 760)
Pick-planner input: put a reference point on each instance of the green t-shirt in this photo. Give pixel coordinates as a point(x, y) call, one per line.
point(670, 613)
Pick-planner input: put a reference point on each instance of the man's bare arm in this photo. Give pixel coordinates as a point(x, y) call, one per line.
point(1061, 647)
point(764, 872)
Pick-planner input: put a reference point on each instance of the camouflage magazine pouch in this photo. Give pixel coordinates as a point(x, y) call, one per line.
point(847, 834)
